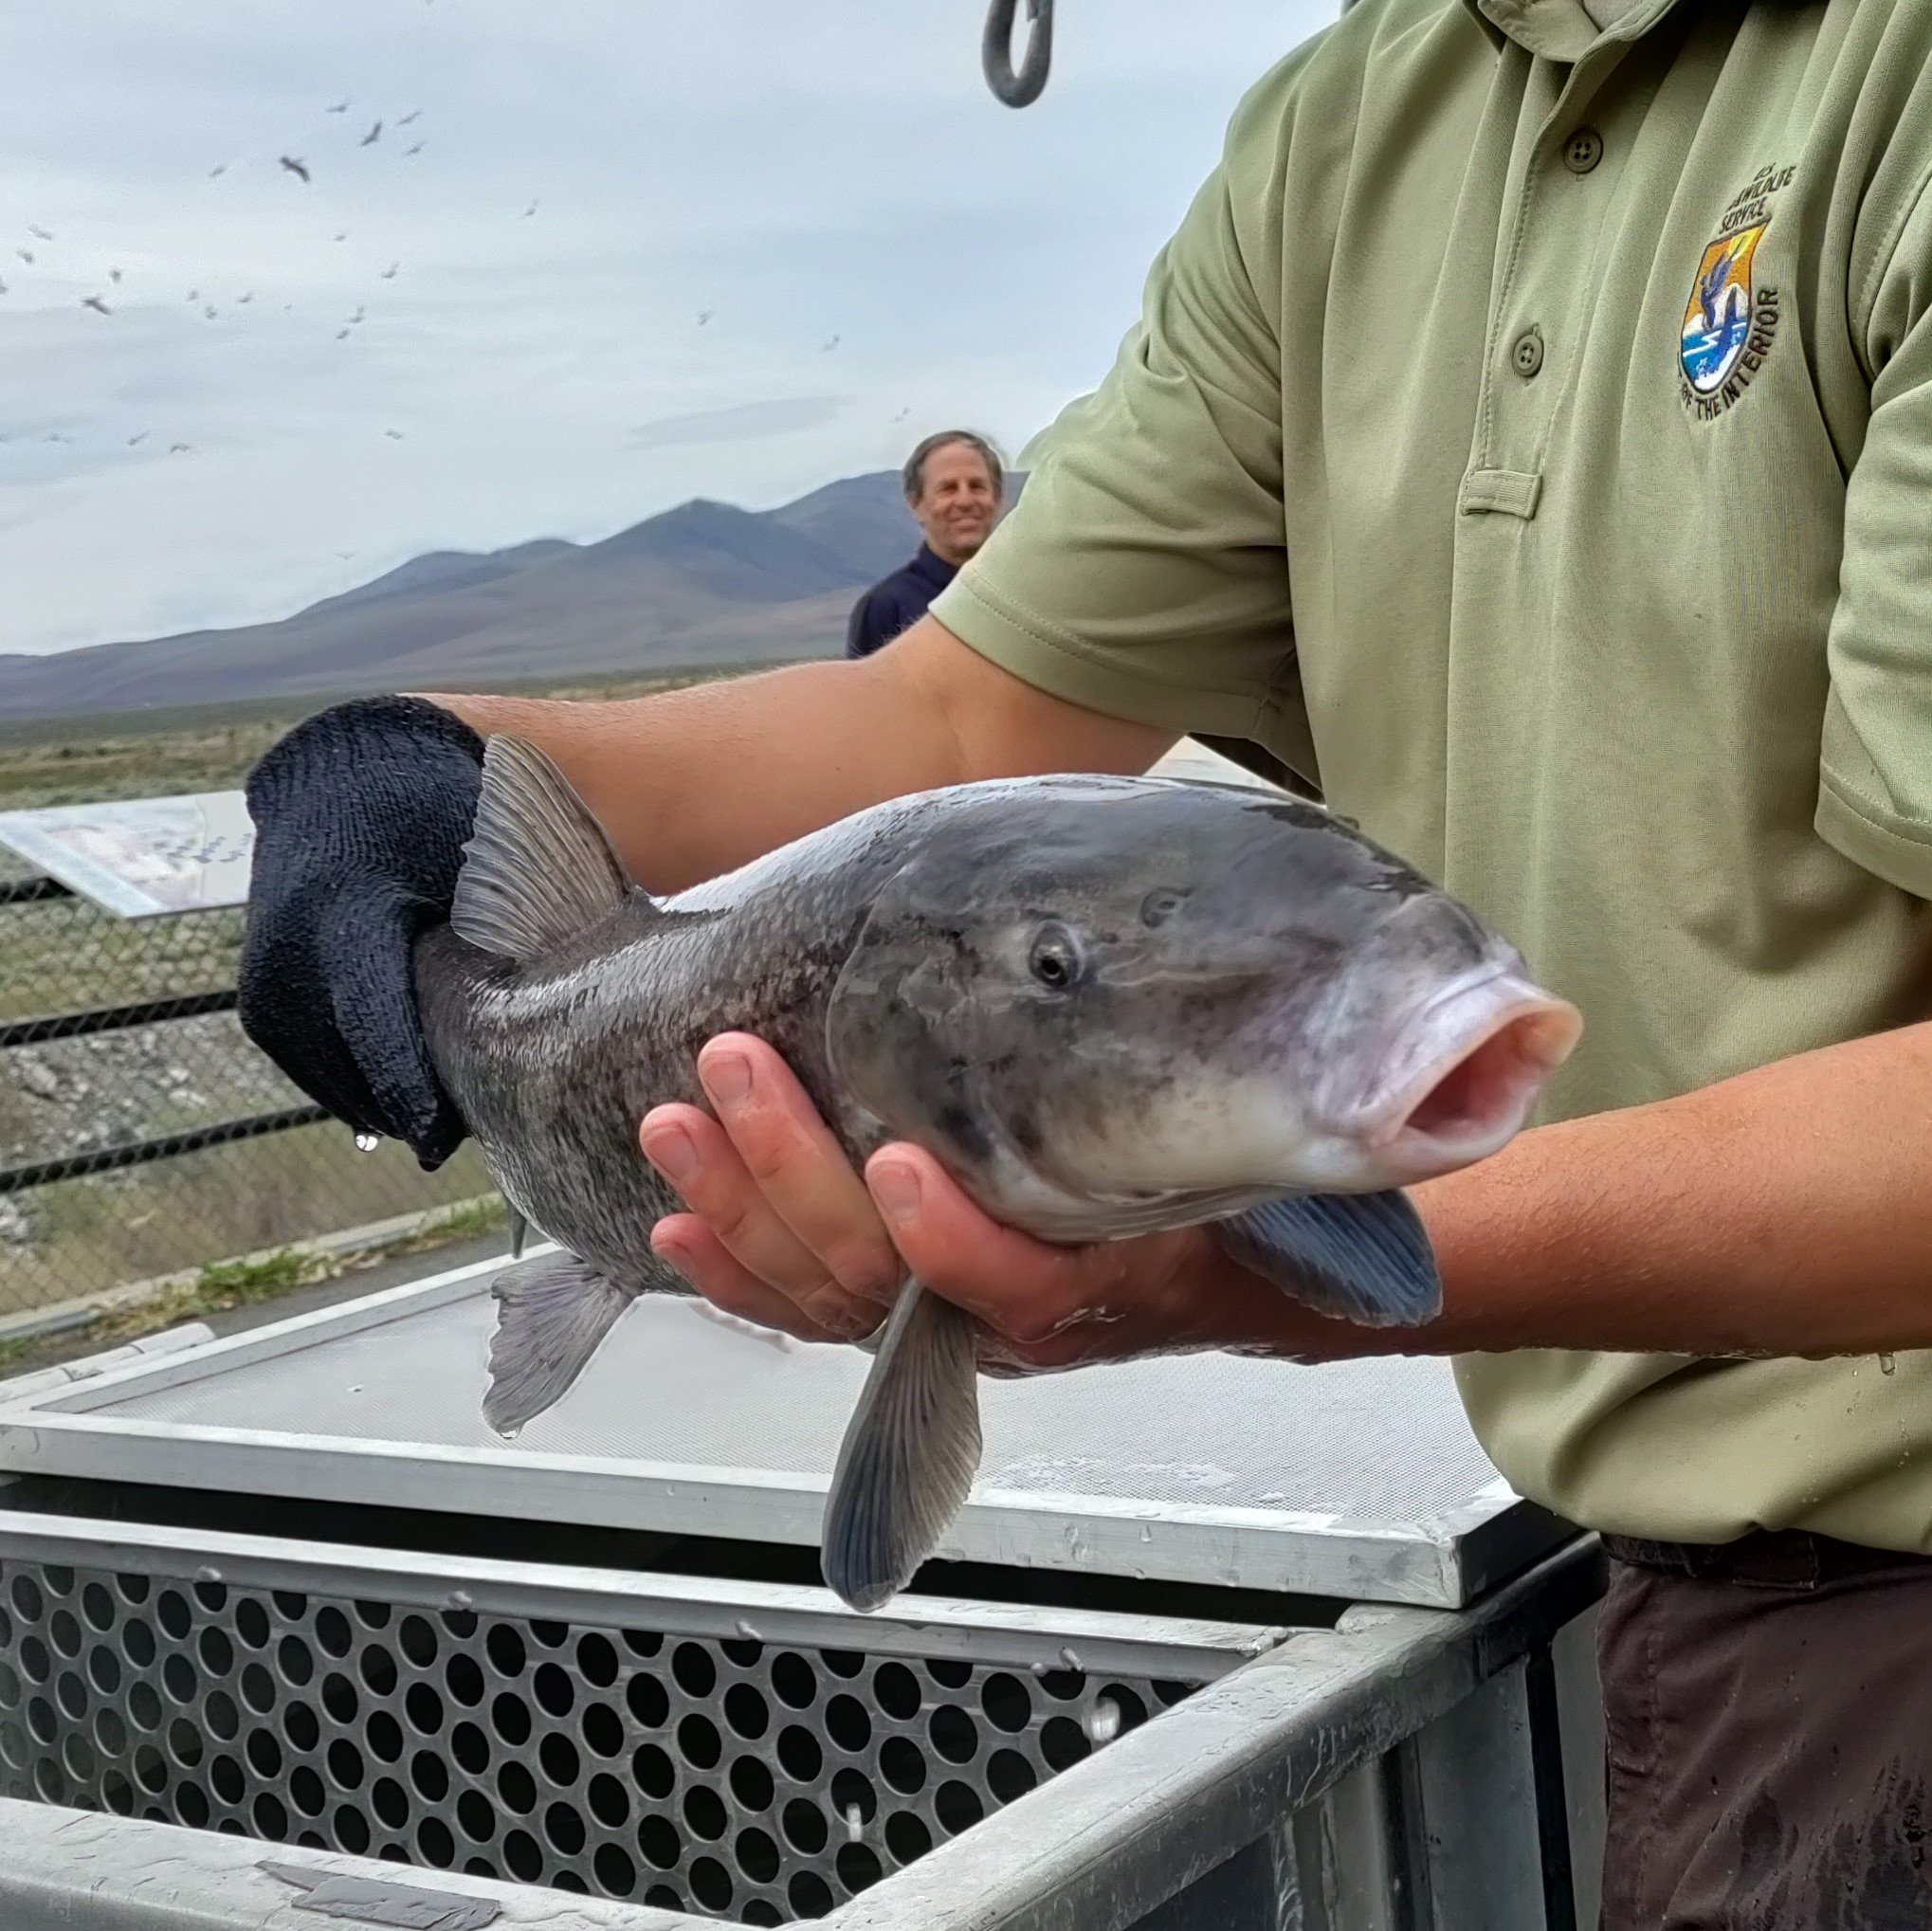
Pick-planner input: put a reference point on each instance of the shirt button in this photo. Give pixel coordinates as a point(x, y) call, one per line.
point(1583, 150)
point(1526, 353)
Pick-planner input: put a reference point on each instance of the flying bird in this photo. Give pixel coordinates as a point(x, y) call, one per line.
point(416, 150)
point(135, 442)
point(343, 236)
point(113, 274)
point(530, 210)
point(341, 107)
point(55, 436)
point(360, 316)
point(705, 314)
point(38, 234)
point(241, 300)
point(3, 288)
point(346, 555)
point(24, 254)
point(95, 304)
point(194, 295)
point(370, 139)
point(901, 415)
point(388, 274)
point(215, 173)
point(179, 448)
point(394, 435)
point(830, 346)
point(408, 116)
point(295, 166)
point(341, 335)
point(209, 313)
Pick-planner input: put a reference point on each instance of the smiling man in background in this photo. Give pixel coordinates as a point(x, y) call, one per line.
point(955, 485)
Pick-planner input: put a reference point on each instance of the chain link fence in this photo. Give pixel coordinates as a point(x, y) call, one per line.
point(141, 1136)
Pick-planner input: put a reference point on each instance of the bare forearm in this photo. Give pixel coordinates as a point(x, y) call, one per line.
point(692, 783)
point(1785, 1212)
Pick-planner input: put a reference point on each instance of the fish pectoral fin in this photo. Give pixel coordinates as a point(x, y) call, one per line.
point(537, 868)
point(551, 1313)
point(909, 1454)
point(1365, 1257)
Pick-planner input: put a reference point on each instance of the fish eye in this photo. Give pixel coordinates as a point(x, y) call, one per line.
point(1161, 904)
point(1054, 959)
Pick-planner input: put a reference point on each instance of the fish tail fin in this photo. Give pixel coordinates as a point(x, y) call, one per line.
point(551, 1313)
point(909, 1453)
point(539, 868)
point(1365, 1257)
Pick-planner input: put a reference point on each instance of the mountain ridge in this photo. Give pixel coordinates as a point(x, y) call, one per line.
point(701, 583)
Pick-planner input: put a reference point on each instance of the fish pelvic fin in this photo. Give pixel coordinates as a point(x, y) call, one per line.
point(537, 868)
point(551, 1313)
point(1364, 1257)
point(909, 1454)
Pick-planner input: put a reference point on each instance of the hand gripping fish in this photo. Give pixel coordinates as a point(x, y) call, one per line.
point(1106, 1005)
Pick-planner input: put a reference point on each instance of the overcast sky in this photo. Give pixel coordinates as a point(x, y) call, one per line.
point(881, 248)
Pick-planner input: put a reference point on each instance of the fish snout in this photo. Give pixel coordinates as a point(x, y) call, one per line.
point(1465, 1072)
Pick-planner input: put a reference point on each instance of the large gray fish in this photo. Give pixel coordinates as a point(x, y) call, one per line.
point(1106, 1005)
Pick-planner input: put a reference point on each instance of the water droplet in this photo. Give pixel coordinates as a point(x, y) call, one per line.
point(1070, 1656)
point(207, 1573)
point(1888, 1364)
point(745, 1629)
point(460, 1599)
point(855, 1824)
point(1146, 1534)
point(1103, 1723)
point(1040, 1668)
point(368, 1142)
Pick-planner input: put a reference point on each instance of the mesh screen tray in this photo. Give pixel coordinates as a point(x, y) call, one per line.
point(1359, 1481)
point(758, 1758)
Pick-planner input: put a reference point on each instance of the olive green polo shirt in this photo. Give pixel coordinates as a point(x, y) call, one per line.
point(1528, 438)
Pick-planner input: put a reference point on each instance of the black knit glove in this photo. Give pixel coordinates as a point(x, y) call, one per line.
point(360, 816)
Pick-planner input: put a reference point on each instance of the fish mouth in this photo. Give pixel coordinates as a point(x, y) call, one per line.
point(1467, 1072)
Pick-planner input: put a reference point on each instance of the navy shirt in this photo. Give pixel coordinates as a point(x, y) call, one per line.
point(898, 603)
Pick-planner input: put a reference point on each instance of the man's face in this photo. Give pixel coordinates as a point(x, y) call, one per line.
point(959, 502)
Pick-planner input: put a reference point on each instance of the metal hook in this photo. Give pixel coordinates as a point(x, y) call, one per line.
point(1022, 88)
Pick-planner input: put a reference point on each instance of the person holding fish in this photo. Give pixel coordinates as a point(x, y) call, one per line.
point(1527, 439)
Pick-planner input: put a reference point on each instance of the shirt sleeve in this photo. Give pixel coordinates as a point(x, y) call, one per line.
point(1143, 571)
point(860, 641)
point(1875, 788)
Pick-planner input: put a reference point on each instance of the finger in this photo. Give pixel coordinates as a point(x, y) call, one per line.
point(799, 1165)
point(1017, 1286)
point(693, 1153)
point(689, 1246)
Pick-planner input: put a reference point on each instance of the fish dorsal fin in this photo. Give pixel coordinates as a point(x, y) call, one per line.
point(538, 870)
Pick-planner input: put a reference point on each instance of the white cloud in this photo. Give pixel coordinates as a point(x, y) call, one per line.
point(802, 169)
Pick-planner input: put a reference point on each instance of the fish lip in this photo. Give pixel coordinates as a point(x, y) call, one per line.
point(1496, 1012)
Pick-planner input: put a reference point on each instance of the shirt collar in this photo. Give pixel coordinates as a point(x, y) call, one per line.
point(932, 567)
point(1561, 29)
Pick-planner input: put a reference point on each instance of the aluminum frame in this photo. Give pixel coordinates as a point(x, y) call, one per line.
point(1442, 1560)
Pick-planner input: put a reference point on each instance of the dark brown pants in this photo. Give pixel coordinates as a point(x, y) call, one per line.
point(1769, 1719)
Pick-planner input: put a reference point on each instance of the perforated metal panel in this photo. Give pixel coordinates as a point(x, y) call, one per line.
point(729, 1777)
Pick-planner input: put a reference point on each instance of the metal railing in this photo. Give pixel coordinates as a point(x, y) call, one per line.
point(142, 1135)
